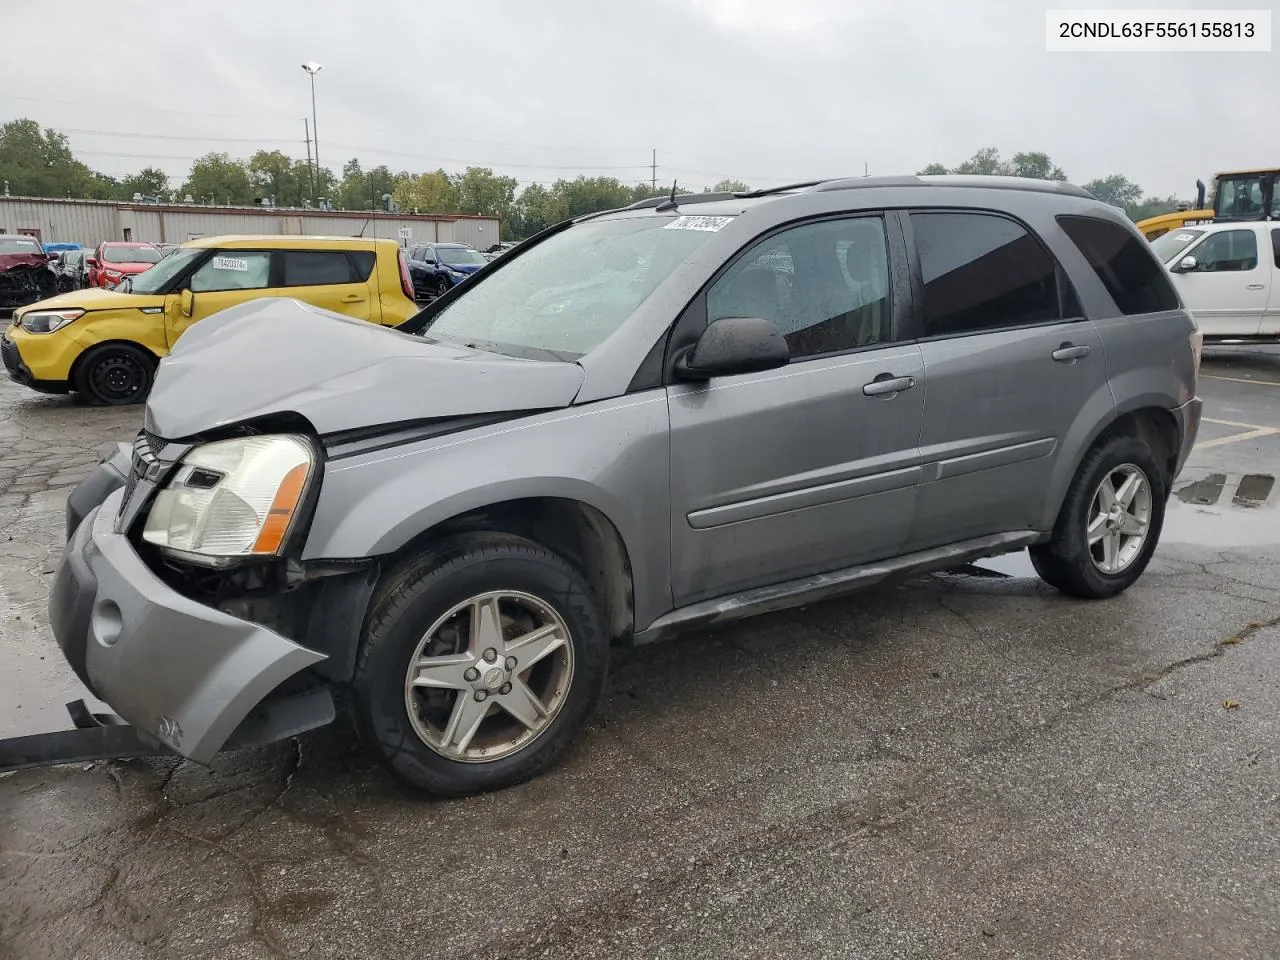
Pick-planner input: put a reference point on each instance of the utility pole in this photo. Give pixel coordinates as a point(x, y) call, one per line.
point(312, 69)
point(655, 169)
point(310, 169)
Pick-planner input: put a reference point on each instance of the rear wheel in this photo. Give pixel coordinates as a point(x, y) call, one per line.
point(1110, 522)
point(115, 374)
point(480, 660)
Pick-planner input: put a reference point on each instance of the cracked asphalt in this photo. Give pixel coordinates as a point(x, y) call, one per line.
point(969, 765)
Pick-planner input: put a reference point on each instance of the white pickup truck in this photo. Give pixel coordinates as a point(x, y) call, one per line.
point(1229, 277)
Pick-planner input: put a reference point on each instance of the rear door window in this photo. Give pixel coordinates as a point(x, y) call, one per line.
point(982, 272)
point(315, 268)
point(1275, 246)
point(1126, 264)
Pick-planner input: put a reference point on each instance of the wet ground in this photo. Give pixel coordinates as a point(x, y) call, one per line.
point(970, 765)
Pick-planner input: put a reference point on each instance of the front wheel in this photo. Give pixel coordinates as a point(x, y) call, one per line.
point(115, 374)
point(441, 287)
point(1110, 522)
point(480, 660)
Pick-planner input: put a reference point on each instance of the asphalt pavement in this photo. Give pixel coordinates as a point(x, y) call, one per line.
point(969, 765)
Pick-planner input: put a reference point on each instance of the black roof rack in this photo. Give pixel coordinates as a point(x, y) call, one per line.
point(681, 198)
point(766, 191)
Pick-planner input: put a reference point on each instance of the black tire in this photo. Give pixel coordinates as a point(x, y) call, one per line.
point(441, 287)
point(425, 587)
point(115, 374)
point(1066, 561)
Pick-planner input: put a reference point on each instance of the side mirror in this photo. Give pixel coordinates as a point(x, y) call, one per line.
point(1186, 265)
point(187, 302)
point(429, 261)
point(734, 345)
point(91, 261)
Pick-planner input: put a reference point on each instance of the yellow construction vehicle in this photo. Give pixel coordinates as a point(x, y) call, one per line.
point(1241, 195)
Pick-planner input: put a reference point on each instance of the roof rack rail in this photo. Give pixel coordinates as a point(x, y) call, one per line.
point(982, 181)
point(766, 191)
point(680, 198)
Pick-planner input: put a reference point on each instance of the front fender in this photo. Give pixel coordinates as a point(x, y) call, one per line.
point(613, 455)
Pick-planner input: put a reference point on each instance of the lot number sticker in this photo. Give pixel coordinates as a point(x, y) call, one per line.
point(231, 263)
point(711, 224)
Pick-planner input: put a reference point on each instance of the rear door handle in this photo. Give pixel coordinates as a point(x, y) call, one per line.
point(1255, 286)
point(353, 298)
point(886, 384)
point(1068, 352)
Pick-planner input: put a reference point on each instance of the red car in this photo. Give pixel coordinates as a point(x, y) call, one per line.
point(114, 260)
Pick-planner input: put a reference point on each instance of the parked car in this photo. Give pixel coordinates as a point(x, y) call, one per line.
point(672, 415)
point(26, 274)
point(1228, 275)
point(105, 344)
point(168, 248)
point(435, 267)
point(74, 268)
point(114, 260)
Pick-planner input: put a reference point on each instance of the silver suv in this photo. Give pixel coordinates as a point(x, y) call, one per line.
point(637, 423)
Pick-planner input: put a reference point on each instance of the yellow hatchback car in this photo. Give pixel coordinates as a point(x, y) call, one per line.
point(105, 344)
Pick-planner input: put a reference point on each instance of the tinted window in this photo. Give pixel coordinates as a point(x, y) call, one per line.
point(825, 285)
point(362, 263)
point(981, 272)
point(232, 270)
point(1228, 251)
point(419, 253)
point(1124, 263)
point(307, 268)
point(1275, 246)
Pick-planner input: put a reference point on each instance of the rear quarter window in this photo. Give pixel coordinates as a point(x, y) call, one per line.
point(361, 263)
point(1124, 263)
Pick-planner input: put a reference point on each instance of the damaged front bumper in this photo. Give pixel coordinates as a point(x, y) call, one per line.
point(185, 678)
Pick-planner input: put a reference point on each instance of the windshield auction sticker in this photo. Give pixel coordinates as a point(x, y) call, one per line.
point(231, 263)
point(711, 224)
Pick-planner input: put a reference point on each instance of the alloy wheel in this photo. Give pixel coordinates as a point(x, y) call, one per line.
point(1119, 518)
point(489, 676)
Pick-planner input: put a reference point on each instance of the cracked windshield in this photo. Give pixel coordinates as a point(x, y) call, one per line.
point(684, 479)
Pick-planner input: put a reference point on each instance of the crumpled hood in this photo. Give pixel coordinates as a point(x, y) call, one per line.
point(10, 260)
point(277, 355)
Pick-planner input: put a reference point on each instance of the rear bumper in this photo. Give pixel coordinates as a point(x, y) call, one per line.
point(1188, 417)
point(185, 674)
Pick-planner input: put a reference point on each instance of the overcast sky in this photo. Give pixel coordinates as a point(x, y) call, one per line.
point(762, 90)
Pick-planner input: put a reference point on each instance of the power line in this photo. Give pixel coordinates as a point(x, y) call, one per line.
point(139, 109)
point(173, 136)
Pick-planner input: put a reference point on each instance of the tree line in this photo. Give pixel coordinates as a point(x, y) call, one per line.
point(41, 163)
point(1117, 190)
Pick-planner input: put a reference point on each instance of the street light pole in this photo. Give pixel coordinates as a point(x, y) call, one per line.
point(312, 69)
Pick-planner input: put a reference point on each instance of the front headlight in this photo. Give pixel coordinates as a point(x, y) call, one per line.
point(232, 499)
point(47, 321)
point(457, 274)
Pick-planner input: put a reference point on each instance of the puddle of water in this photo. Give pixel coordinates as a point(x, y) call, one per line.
point(1209, 512)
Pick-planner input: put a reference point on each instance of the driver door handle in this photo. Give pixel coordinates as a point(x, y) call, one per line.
point(1068, 352)
point(1255, 286)
point(886, 384)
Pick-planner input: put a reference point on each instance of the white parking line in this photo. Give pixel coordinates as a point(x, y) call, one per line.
point(1234, 423)
point(1238, 437)
point(1260, 383)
